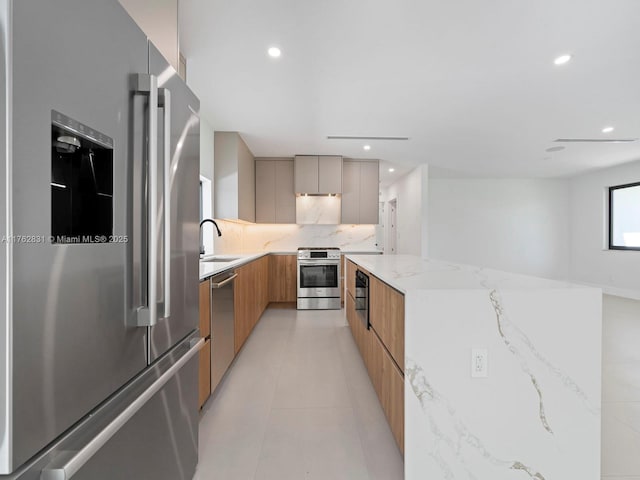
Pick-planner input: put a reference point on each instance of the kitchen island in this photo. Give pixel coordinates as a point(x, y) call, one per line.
point(502, 372)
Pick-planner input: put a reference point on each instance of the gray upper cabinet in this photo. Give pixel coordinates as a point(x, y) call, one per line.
point(265, 191)
point(306, 174)
point(318, 174)
point(360, 192)
point(285, 194)
point(369, 192)
point(275, 196)
point(234, 178)
point(329, 174)
point(351, 192)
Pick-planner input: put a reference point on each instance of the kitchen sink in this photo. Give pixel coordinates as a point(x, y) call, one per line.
point(222, 260)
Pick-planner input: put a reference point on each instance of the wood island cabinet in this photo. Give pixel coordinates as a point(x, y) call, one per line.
point(382, 346)
point(351, 278)
point(392, 395)
point(386, 314)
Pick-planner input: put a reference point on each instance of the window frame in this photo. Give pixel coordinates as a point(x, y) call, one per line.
point(610, 240)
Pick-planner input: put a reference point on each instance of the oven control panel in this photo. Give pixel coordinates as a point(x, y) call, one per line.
point(319, 254)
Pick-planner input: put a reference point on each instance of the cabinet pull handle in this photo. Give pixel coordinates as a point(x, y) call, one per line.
point(224, 282)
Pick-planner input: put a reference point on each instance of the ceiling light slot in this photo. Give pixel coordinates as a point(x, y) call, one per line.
point(595, 140)
point(347, 137)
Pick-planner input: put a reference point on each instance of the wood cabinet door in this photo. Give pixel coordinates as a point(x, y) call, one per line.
point(386, 314)
point(204, 373)
point(392, 398)
point(357, 327)
point(374, 361)
point(266, 191)
point(329, 174)
point(282, 278)
point(306, 174)
point(263, 285)
point(369, 192)
point(242, 304)
point(251, 296)
point(351, 278)
point(205, 308)
point(285, 195)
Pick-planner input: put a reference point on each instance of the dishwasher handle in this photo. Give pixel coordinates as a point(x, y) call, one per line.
point(224, 282)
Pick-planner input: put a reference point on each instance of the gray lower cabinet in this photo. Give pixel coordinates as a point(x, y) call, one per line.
point(360, 187)
point(275, 196)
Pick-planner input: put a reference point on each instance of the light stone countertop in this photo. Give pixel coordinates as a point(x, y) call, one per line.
point(411, 272)
point(208, 269)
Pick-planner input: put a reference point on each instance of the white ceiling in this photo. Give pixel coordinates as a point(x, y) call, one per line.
point(472, 83)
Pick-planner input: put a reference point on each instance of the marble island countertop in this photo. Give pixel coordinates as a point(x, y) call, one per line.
point(410, 272)
point(535, 411)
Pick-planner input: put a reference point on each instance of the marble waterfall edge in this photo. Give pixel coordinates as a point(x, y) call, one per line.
point(537, 413)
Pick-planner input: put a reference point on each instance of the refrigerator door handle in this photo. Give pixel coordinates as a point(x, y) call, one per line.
point(165, 104)
point(148, 315)
point(70, 466)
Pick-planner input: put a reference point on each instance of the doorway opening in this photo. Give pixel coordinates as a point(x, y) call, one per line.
point(392, 228)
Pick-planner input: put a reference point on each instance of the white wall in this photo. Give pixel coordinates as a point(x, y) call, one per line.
point(206, 171)
point(410, 191)
point(158, 19)
point(516, 225)
point(206, 149)
point(617, 271)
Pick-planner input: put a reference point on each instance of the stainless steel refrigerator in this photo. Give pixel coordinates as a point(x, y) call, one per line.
point(99, 248)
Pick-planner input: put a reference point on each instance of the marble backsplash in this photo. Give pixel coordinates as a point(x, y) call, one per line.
point(318, 210)
point(248, 238)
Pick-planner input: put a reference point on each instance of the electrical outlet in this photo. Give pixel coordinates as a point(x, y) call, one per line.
point(479, 362)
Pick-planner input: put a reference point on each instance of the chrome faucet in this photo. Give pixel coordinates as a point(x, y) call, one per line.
point(201, 239)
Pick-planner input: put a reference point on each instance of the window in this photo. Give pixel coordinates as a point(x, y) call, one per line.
point(624, 217)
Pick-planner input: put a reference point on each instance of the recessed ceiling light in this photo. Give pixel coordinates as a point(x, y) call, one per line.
point(562, 59)
point(607, 130)
point(274, 52)
point(367, 147)
point(392, 169)
point(554, 149)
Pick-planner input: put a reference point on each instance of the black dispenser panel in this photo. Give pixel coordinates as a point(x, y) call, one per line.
point(81, 183)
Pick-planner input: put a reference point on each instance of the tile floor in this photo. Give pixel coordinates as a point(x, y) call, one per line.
point(310, 412)
point(297, 404)
point(620, 389)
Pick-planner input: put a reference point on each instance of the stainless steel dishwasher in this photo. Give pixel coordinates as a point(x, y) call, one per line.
point(222, 325)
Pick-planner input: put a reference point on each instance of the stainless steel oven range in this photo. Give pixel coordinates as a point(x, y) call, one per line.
point(318, 278)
